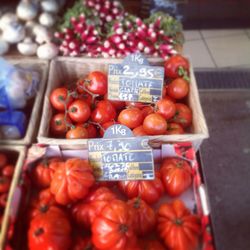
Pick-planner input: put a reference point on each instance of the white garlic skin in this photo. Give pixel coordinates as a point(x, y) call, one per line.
point(47, 51)
point(47, 19)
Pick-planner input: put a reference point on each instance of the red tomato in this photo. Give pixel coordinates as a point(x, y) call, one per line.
point(155, 124)
point(79, 111)
point(59, 124)
point(147, 244)
point(42, 173)
point(150, 191)
point(72, 181)
point(8, 170)
point(92, 131)
point(49, 231)
point(176, 176)
point(105, 126)
point(144, 216)
point(60, 98)
point(131, 117)
point(97, 83)
point(175, 219)
point(138, 105)
point(176, 66)
point(86, 211)
point(178, 88)
point(81, 243)
point(113, 227)
point(86, 97)
point(3, 160)
point(166, 108)
point(104, 112)
point(183, 115)
point(77, 132)
point(139, 131)
point(147, 110)
point(174, 129)
point(118, 105)
point(4, 184)
point(3, 200)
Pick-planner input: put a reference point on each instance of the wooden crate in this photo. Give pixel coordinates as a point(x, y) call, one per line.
point(66, 70)
point(19, 152)
point(34, 107)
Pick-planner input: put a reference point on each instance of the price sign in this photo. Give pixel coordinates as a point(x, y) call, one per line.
point(121, 156)
point(135, 80)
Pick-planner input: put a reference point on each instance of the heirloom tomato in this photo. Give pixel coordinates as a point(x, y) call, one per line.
point(97, 83)
point(155, 124)
point(131, 117)
point(148, 244)
point(60, 98)
point(82, 243)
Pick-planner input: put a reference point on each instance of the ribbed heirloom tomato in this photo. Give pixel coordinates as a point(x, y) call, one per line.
point(144, 218)
point(183, 115)
point(178, 228)
point(84, 212)
point(96, 83)
point(150, 190)
point(148, 244)
point(81, 243)
point(60, 98)
point(155, 124)
point(72, 181)
point(176, 176)
point(113, 227)
point(131, 117)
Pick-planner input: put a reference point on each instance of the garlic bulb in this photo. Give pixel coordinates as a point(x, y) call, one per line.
point(47, 51)
point(42, 34)
point(47, 19)
point(27, 47)
point(4, 47)
point(27, 10)
point(14, 33)
point(50, 6)
point(6, 19)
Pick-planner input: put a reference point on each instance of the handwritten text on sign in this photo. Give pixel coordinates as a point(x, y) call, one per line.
point(135, 80)
point(120, 156)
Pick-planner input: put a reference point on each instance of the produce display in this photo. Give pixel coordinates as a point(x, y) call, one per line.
point(82, 110)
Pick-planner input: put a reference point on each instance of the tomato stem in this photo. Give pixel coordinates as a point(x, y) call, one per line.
point(123, 228)
point(137, 202)
point(44, 208)
point(178, 222)
point(39, 231)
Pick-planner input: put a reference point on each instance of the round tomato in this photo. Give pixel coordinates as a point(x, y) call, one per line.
point(155, 124)
point(175, 219)
point(86, 211)
point(113, 227)
point(150, 191)
point(139, 131)
point(176, 66)
point(104, 112)
point(3, 160)
point(86, 97)
point(79, 111)
point(97, 83)
point(178, 88)
point(60, 98)
point(59, 124)
point(49, 231)
point(176, 175)
point(174, 129)
point(183, 115)
point(138, 105)
point(42, 173)
point(144, 216)
point(105, 126)
point(3, 200)
point(77, 132)
point(131, 117)
point(8, 170)
point(118, 105)
point(147, 110)
point(4, 184)
point(81, 243)
point(71, 182)
point(166, 108)
point(148, 244)
point(92, 131)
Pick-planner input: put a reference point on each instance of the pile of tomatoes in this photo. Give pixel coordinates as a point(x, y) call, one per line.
point(83, 111)
point(69, 209)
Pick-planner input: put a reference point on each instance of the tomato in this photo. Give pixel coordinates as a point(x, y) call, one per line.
point(148, 244)
point(175, 219)
point(71, 182)
point(42, 173)
point(139, 131)
point(59, 124)
point(113, 227)
point(138, 105)
point(174, 129)
point(4, 184)
point(105, 126)
point(183, 115)
point(81, 243)
point(3, 200)
point(92, 131)
point(178, 88)
point(176, 66)
point(8, 170)
point(176, 175)
point(104, 112)
point(150, 190)
point(77, 132)
point(46, 196)
point(147, 110)
point(60, 98)
point(86, 211)
point(49, 231)
point(155, 124)
point(144, 216)
point(118, 105)
point(166, 108)
point(131, 117)
point(86, 97)
point(97, 83)
point(79, 111)
point(3, 160)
